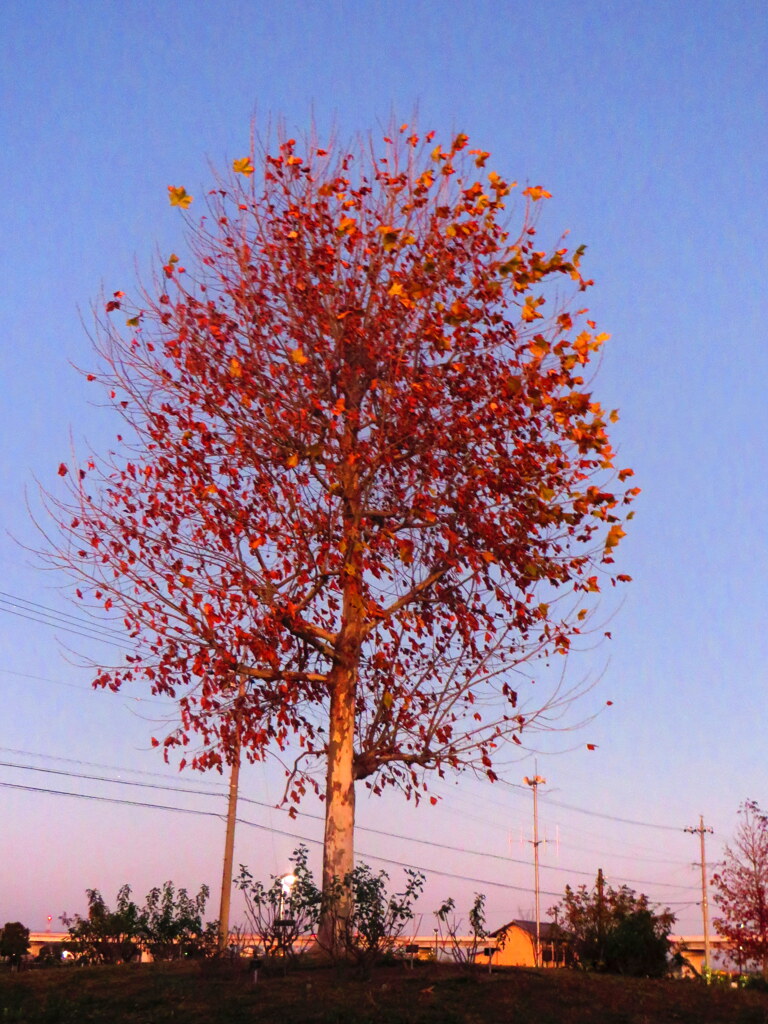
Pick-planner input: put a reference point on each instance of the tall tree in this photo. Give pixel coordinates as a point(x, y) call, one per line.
point(741, 888)
point(362, 471)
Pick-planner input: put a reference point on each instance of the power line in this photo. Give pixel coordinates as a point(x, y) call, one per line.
point(269, 828)
point(222, 786)
point(42, 609)
point(92, 764)
point(260, 803)
point(58, 626)
point(599, 814)
point(84, 689)
point(316, 817)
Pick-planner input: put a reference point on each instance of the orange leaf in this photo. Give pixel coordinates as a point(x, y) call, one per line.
point(529, 312)
point(178, 196)
point(298, 357)
point(243, 166)
point(235, 368)
point(536, 192)
point(614, 536)
point(346, 226)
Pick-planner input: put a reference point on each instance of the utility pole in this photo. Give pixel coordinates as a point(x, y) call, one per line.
point(600, 913)
point(534, 783)
point(701, 830)
point(229, 838)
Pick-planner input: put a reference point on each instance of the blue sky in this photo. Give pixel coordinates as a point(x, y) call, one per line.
point(647, 122)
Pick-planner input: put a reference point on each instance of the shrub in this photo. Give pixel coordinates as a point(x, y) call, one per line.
point(450, 928)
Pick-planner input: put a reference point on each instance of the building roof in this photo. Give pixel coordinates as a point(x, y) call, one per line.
point(547, 930)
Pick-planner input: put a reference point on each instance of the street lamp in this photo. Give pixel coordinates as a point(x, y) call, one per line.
point(284, 924)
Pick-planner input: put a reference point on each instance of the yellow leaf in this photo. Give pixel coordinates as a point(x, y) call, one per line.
point(133, 322)
point(243, 166)
point(396, 289)
point(386, 700)
point(298, 357)
point(178, 196)
point(529, 312)
point(235, 368)
point(536, 192)
point(614, 536)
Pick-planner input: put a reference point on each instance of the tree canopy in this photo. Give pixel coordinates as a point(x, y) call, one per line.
point(741, 888)
point(14, 941)
point(615, 930)
point(363, 478)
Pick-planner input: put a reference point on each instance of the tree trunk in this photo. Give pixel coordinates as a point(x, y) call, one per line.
point(338, 848)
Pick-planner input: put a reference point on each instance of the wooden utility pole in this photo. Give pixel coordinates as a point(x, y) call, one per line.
point(701, 830)
point(534, 783)
point(600, 914)
point(229, 838)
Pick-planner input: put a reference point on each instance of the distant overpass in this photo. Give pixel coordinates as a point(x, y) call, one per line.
point(692, 948)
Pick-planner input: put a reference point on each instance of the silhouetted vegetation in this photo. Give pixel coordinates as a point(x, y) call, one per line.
point(169, 926)
point(614, 930)
point(14, 942)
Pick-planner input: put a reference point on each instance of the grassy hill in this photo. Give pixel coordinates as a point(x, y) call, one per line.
point(218, 993)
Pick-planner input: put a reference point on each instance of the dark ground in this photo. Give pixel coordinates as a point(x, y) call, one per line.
point(221, 993)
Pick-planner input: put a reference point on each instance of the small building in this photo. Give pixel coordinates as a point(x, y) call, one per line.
point(516, 945)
